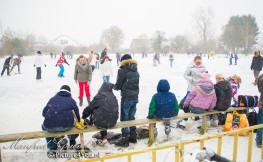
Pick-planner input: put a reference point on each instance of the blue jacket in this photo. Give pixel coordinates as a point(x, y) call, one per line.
point(59, 111)
point(164, 103)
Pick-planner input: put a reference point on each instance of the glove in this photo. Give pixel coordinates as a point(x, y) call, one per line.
point(150, 117)
point(80, 125)
point(83, 124)
point(45, 65)
point(34, 65)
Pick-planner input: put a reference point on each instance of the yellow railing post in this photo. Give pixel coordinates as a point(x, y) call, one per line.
point(261, 145)
point(82, 142)
point(250, 142)
point(154, 156)
point(177, 154)
point(129, 158)
point(181, 147)
point(219, 145)
point(151, 134)
point(202, 144)
point(235, 147)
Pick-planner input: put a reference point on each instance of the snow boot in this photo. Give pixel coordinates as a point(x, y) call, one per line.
point(181, 124)
point(88, 99)
point(167, 130)
point(61, 142)
point(122, 142)
point(80, 101)
point(133, 137)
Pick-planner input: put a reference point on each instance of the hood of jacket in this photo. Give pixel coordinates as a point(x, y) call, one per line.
point(206, 87)
point(163, 86)
point(129, 64)
point(106, 87)
point(224, 85)
point(83, 65)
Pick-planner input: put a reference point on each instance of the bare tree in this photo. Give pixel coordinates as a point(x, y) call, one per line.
point(113, 37)
point(180, 43)
point(204, 25)
point(158, 40)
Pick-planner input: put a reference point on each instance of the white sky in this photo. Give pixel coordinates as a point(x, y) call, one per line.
point(84, 20)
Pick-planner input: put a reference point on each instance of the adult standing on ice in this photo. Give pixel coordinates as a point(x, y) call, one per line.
point(256, 65)
point(7, 65)
point(60, 62)
point(106, 69)
point(128, 83)
point(83, 76)
point(38, 63)
point(16, 62)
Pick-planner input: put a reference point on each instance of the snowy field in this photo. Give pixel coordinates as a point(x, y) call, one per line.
point(22, 99)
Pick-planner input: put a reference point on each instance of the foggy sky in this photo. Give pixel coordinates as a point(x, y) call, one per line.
point(84, 20)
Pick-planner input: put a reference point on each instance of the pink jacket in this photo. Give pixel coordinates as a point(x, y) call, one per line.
point(203, 96)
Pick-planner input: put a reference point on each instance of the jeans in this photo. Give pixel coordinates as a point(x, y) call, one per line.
point(194, 110)
point(97, 64)
point(256, 74)
point(230, 61)
point(38, 73)
point(50, 140)
point(171, 63)
point(259, 131)
point(106, 79)
point(61, 72)
point(18, 67)
point(128, 110)
point(82, 86)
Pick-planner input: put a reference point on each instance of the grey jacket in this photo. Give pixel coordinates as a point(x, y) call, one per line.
point(83, 73)
point(193, 74)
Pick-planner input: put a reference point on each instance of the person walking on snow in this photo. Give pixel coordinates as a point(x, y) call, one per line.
point(16, 62)
point(128, 83)
point(38, 63)
point(60, 62)
point(236, 58)
point(171, 58)
point(106, 69)
point(7, 66)
point(230, 58)
point(256, 65)
point(83, 76)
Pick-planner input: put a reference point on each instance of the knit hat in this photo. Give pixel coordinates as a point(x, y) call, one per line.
point(206, 75)
point(126, 57)
point(38, 52)
point(65, 88)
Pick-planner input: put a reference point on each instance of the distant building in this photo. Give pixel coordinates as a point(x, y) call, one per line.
point(141, 45)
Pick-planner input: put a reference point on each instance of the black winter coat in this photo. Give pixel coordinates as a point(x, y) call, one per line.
point(223, 94)
point(7, 62)
point(103, 107)
point(59, 111)
point(128, 80)
point(257, 63)
point(103, 54)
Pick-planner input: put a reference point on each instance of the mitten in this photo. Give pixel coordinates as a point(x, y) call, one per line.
point(150, 117)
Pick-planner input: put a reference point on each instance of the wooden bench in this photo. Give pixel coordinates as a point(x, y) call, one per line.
point(151, 122)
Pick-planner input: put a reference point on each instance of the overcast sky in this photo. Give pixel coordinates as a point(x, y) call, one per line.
point(84, 20)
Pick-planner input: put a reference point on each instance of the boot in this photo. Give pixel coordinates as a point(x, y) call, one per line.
point(88, 99)
point(122, 142)
point(167, 130)
point(61, 142)
point(181, 124)
point(133, 137)
point(80, 101)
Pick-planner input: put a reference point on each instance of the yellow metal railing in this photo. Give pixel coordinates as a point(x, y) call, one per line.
point(179, 147)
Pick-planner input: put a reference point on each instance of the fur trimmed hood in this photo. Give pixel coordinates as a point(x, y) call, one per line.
point(129, 62)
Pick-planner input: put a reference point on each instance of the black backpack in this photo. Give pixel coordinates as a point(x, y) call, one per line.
point(252, 118)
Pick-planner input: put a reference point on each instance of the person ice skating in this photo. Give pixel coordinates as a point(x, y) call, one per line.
point(38, 63)
point(118, 58)
point(192, 74)
point(51, 55)
point(59, 115)
point(260, 111)
point(163, 105)
point(106, 69)
point(7, 65)
point(97, 61)
point(235, 82)
point(103, 111)
point(103, 53)
point(16, 62)
point(171, 59)
point(223, 92)
point(156, 59)
point(236, 58)
point(200, 99)
point(128, 83)
point(60, 62)
point(230, 58)
point(256, 65)
point(83, 76)
point(92, 60)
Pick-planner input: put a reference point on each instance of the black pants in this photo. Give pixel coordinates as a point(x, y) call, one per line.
point(18, 66)
point(5, 68)
point(38, 73)
point(93, 67)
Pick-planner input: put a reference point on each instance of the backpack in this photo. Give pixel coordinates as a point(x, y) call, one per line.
point(247, 101)
point(252, 118)
point(235, 121)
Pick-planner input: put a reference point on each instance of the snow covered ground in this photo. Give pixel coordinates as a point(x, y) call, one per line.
point(22, 100)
